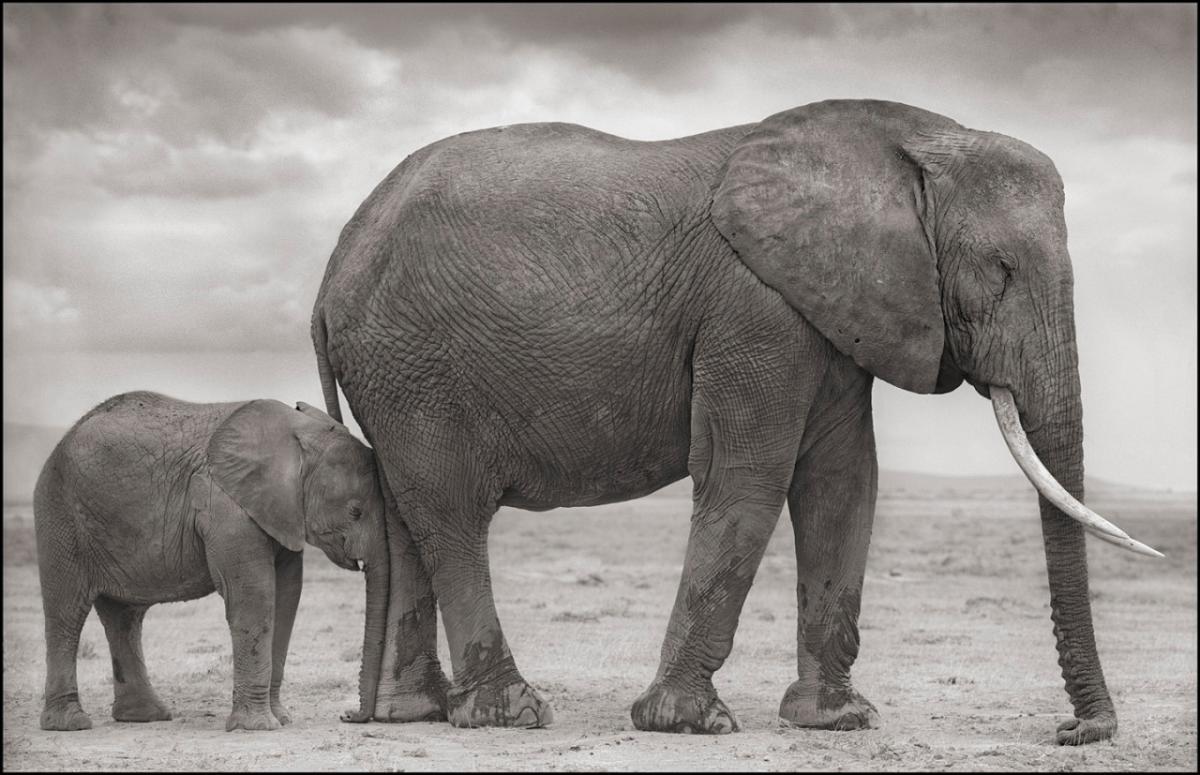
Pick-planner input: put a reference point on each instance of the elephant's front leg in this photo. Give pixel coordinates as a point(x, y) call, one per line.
point(412, 685)
point(741, 466)
point(289, 578)
point(243, 568)
point(832, 504)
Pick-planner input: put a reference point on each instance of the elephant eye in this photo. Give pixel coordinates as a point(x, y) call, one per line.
point(355, 511)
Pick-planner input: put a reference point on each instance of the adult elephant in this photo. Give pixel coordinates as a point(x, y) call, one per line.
point(545, 315)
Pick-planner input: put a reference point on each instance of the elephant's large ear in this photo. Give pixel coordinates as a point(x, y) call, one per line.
point(255, 457)
point(825, 206)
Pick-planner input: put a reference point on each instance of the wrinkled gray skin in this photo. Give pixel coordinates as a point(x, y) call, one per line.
point(545, 315)
point(148, 499)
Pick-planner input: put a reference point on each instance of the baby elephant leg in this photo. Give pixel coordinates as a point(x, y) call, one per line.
point(289, 575)
point(243, 569)
point(66, 611)
point(133, 697)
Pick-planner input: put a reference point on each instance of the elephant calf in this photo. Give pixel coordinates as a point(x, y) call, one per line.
point(148, 499)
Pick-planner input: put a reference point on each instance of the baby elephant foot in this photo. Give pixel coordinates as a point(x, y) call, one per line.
point(65, 716)
point(140, 709)
point(837, 709)
point(666, 708)
point(280, 713)
point(515, 704)
point(1080, 731)
point(253, 720)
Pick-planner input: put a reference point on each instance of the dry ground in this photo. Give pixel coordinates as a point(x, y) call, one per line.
point(957, 651)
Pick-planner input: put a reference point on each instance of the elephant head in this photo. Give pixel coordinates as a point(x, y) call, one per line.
point(302, 476)
point(931, 253)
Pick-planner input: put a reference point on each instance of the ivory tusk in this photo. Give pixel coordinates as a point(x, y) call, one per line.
point(1045, 483)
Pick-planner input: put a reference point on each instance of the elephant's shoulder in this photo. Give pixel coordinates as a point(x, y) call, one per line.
point(214, 510)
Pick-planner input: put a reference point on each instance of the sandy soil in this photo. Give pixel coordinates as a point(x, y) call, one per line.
point(957, 652)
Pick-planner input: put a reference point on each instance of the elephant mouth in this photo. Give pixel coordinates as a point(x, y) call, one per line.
point(982, 388)
point(348, 563)
point(1043, 481)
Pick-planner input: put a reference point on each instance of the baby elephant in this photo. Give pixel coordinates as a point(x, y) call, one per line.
point(148, 499)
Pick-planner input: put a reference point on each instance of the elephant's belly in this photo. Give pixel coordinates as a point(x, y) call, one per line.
point(169, 589)
point(594, 491)
point(586, 450)
point(146, 565)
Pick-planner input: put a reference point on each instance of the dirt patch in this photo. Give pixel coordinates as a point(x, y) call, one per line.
point(957, 653)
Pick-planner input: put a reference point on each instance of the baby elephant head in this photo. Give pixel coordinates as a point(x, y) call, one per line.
point(302, 476)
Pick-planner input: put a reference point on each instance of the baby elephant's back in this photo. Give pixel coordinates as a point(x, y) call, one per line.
point(124, 469)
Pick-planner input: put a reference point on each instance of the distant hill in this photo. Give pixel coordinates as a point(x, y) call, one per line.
point(1015, 485)
point(910, 484)
point(26, 448)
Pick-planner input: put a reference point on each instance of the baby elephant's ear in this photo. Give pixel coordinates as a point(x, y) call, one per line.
point(315, 413)
point(255, 458)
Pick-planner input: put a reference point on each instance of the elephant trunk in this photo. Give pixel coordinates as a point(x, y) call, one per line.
point(1051, 414)
point(1044, 482)
point(378, 572)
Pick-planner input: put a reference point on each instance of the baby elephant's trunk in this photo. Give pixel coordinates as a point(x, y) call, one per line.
point(378, 574)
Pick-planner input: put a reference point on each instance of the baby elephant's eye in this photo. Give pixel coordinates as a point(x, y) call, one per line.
point(355, 511)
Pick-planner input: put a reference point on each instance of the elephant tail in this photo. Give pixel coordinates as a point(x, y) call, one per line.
point(324, 368)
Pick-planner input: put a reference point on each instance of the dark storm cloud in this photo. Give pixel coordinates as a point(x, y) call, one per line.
point(93, 67)
point(1142, 55)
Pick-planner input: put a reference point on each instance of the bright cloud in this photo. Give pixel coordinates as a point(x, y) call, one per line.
point(37, 313)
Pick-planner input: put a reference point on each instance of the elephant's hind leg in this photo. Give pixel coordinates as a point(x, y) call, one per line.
point(412, 684)
point(447, 509)
point(741, 462)
point(832, 504)
point(133, 696)
point(488, 690)
point(66, 600)
point(66, 612)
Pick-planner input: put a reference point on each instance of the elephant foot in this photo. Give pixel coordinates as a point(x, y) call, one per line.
point(280, 713)
point(139, 708)
point(65, 716)
point(402, 709)
point(840, 709)
point(666, 708)
point(515, 704)
point(253, 720)
point(418, 695)
point(1080, 731)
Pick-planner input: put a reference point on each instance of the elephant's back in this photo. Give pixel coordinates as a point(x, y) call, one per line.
point(132, 455)
point(493, 205)
point(113, 502)
point(536, 243)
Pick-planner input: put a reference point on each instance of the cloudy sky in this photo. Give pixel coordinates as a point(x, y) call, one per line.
point(175, 177)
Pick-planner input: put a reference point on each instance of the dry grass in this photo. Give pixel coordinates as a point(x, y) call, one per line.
point(957, 652)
